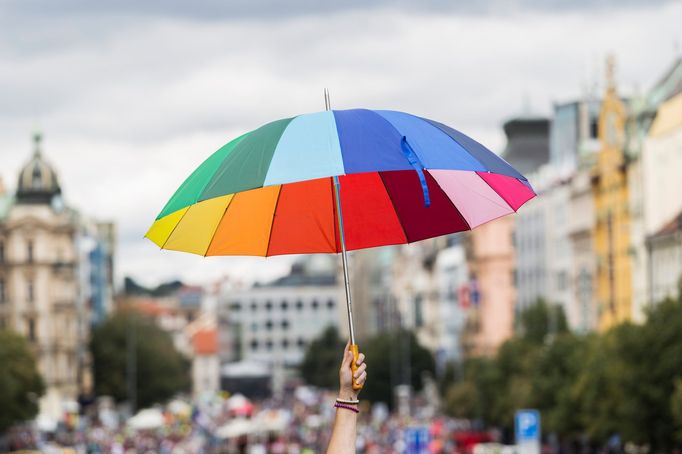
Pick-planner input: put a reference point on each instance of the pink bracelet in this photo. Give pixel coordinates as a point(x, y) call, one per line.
point(347, 407)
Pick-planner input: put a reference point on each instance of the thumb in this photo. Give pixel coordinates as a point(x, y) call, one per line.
point(347, 356)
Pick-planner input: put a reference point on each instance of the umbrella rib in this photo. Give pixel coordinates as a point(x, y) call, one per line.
point(497, 192)
point(450, 200)
point(454, 140)
point(395, 208)
point(210, 243)
point(176, 226)
point(272, 223)
point(336, 216)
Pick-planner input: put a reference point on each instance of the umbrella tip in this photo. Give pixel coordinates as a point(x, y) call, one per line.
point(327, 103)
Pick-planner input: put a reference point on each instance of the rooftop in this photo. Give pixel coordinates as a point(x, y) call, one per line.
point(205, 341)
point(674, 225)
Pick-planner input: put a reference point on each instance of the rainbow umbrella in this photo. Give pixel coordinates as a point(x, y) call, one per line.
point(338, 180)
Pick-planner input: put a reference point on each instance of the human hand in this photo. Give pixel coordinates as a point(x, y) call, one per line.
point(346, 390)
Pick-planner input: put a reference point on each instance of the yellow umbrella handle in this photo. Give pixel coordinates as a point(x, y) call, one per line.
point(354, 366)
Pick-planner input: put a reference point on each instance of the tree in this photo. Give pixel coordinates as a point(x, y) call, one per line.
point(20, 383)
point(676, 408)
point(540, 320)
point(161, 370)
point(553, 375)
point(320, 366)
point(392, 359)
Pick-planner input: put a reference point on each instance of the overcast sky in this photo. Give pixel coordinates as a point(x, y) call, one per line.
point(131, 96)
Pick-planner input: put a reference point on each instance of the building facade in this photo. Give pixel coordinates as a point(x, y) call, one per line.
point(205, 362)
point(273, 323)
point(665, 249)
point(582, 315)
point(612, 213)
point(490, 262)
point(42, 272)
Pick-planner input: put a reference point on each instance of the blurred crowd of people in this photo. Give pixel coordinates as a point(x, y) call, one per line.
point(300, 423)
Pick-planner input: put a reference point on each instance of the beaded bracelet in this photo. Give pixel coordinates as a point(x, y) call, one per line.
point(347, 407)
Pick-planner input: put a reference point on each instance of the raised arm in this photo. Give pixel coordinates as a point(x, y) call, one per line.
point(345, 422)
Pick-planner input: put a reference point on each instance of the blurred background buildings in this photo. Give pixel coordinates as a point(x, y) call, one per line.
point(56, 279)
point(603, 240)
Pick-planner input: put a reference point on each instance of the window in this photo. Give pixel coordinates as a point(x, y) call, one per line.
point(31, 329)
point(300, 342)
point(285, 324)
point(254, 327)
point(235, 306)
point(268, 305)
point(36, 178)
point(418, 314)
point(254, 345)
point(268, 344)
point(330, 304)
point(2, 252)
point(3, 295)
point(254, 306)
point(284, 305)
point(299, 305)
point(29, 251)
point(285, 344)
point(268, 325)
point(594, 128)
point(29, 291)
point(315, 305)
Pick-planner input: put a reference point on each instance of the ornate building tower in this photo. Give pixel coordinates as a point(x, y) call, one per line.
point(611, 204)
point(39, 282)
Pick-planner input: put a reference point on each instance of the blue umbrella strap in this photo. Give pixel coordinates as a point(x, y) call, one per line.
point(418, 167)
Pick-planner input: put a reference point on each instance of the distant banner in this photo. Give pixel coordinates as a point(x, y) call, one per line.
point(469, 294)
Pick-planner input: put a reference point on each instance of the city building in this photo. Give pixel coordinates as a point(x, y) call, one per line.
point(665, 249)
point(371, 278)
point(273, 323)
point(528, 149)
point(582, 315)
point(205, 362)
point(544, 231)
point(654, 163)
point(452, 280)
point(527, 143)
point(612, 212)
point(662, 162)
point(490, 262)
point(46, 287)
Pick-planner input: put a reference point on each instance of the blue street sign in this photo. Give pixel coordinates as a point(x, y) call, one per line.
point(527, 426)
point(417, 439)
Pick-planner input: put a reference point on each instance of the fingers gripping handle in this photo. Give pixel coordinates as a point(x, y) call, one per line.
point(354, 365)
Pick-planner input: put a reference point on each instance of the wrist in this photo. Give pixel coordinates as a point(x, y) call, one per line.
point(347, 394)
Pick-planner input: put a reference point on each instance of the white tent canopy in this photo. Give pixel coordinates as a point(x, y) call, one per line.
point(147, 419)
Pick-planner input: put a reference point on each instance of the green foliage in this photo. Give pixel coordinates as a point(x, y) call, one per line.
point(626, 381)
point(541, 320)
point(320, 366)
point(161, 370)
point(392, 359)
point(20, 383)
point(676, 408)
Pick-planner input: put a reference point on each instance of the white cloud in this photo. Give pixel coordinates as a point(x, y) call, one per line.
point(130, 105)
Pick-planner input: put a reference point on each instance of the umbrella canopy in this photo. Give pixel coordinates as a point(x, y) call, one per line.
point(402, 178)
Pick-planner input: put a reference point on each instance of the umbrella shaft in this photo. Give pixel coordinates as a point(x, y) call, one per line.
point(344, 257)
